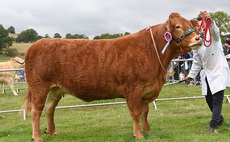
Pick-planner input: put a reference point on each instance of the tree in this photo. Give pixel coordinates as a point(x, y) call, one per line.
point(76, 36)
point(40, 37)
point(127, 33)
point(68, 36)
point(11, 30)
point(29, 35)
point(97, 37)
point(222, 21)
point(57, 35)
point(47, 36)
point(110, 36)
point(5, 40)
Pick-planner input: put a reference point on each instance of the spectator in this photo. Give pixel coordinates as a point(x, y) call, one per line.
point(226, 45)
point(186, 66)
point(226, 48)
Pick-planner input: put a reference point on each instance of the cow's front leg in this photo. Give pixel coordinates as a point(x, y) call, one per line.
point(144, 115)
point(133, 98)
point(11, 85)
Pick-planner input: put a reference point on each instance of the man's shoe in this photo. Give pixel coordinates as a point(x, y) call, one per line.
point(211, 130)
point(221, 120)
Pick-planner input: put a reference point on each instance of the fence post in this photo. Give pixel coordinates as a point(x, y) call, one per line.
point(228, 100)
point(155, 105)
point(24, 114)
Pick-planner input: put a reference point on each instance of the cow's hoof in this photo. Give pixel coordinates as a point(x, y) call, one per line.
point(53, 134)
point(39, 140)
point(137, 137)
point(146, 131)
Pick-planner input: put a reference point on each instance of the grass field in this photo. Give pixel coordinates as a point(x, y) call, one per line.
point(178, 120)
point(21, 47)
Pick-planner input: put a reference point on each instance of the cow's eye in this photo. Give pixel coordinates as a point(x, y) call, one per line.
point(177, 26)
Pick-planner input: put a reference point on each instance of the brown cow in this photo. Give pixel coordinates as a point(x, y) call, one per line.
point(126, 67)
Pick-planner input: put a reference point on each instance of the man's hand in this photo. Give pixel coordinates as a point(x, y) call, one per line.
point(208, 16)
point(188, 79)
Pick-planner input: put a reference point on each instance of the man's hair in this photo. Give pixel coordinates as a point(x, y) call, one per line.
point(227, 36)
point(199, 18)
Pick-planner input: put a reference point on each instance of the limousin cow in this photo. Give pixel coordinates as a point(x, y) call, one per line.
point(131, 67)
point(9, 76)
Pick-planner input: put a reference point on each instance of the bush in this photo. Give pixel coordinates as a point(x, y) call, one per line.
point(10, 52)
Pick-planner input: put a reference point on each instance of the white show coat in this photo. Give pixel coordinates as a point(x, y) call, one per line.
point(212, 64)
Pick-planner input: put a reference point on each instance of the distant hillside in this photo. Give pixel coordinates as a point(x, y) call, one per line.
point(13, 35)
point(21, 47)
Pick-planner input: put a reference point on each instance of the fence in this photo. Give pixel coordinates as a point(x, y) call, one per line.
point(174, 89)
point(8, 102)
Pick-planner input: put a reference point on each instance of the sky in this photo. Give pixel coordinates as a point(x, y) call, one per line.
point(95, 17)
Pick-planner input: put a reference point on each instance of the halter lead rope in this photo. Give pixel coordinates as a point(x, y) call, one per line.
point(207, 42)
point(149, 28)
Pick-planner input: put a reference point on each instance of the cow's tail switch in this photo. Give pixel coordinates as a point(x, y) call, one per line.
point(27, 101)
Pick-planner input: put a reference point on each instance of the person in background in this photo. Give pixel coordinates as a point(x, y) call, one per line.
point(226, 45)
point(226, 48)
point(215, 76)
point(185, 69)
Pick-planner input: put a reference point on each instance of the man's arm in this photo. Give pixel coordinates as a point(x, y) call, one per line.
point(214, 29)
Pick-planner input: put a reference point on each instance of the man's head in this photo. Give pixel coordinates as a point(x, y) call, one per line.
point(201, 32)
point(227, 37)
point(227, 40)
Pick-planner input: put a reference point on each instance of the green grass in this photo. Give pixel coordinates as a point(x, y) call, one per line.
point(21, 47)
point(181, 120)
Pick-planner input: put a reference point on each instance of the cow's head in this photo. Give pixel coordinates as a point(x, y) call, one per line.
point(18, 60)
point(182, 31)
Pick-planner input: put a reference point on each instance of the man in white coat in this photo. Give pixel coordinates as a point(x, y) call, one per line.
point(214, 74)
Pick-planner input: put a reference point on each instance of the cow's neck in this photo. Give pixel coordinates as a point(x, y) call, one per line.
point(15, 65)
point(171, 52)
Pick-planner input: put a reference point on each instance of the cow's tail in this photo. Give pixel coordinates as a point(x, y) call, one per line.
point(27, 101)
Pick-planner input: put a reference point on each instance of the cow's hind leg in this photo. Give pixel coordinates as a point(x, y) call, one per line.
point(54, 96)
point(144, 121)
point(133, 98)
point(38, 98)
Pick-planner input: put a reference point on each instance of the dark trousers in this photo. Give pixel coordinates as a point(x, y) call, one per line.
point(214, 102)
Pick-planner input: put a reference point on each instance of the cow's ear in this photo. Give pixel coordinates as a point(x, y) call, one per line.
point(172, 15)
point(12, 59)
point(194, 23)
